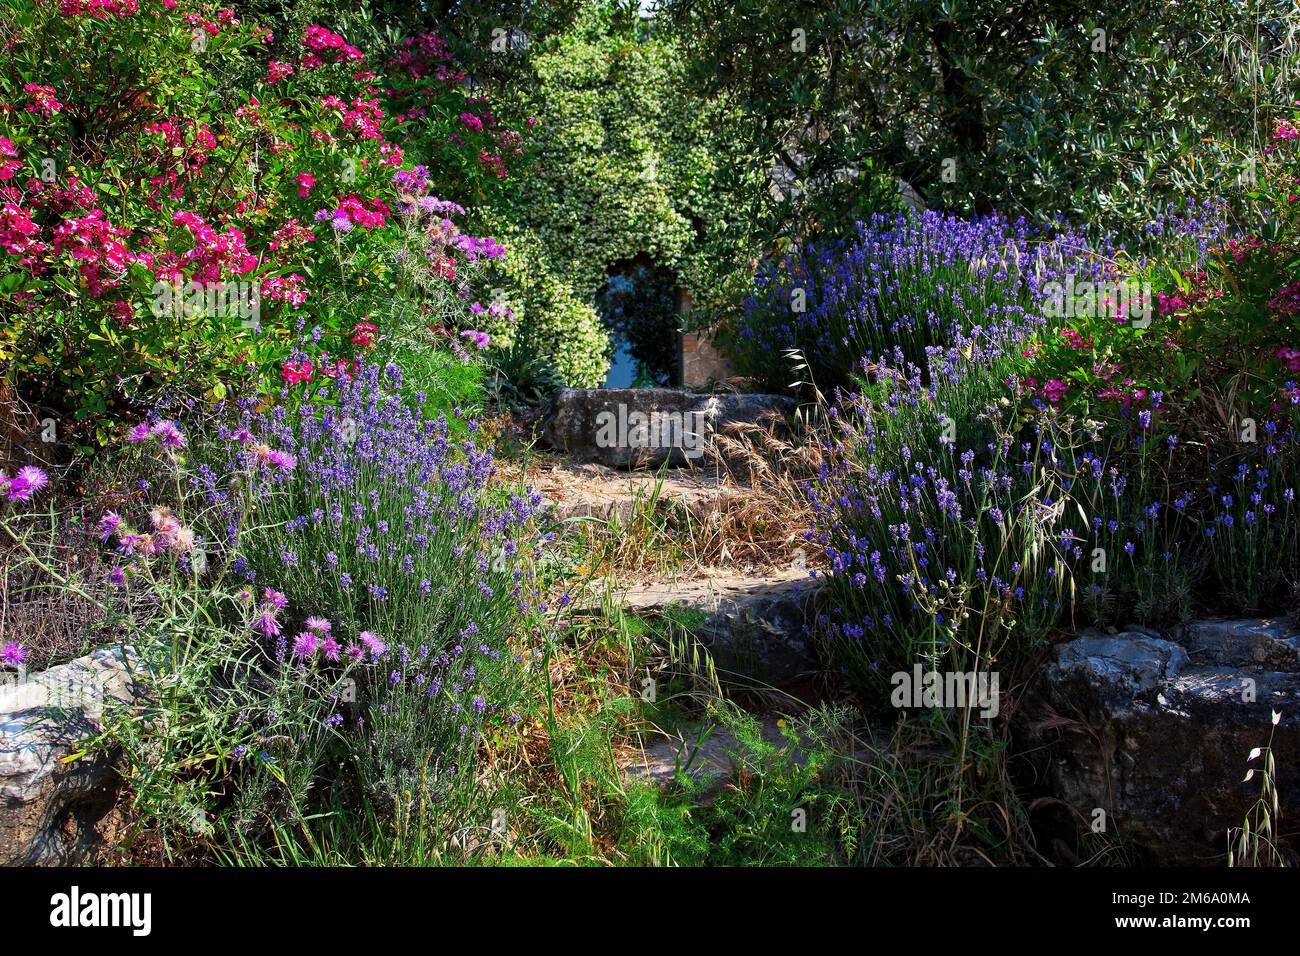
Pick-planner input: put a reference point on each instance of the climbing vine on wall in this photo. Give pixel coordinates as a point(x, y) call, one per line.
point(627, 160)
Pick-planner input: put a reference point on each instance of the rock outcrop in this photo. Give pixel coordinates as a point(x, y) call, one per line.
point(53, 812)
point(1156, 731)
point(756, 629)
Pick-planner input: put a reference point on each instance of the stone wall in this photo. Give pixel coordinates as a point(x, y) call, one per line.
point(699, 360)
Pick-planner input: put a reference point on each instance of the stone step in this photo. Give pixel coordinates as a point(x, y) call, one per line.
point(709, 756)
point(646, 427)
point(756, 629)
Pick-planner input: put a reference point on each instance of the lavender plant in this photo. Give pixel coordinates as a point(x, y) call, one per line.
point(960, 528)
point(342, 613)
point(392, 527)
point(904, 283)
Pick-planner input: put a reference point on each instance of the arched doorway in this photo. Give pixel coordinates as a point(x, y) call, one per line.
point(639, 305)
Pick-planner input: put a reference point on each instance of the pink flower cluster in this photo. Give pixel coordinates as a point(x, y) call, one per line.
point(213, 256)
point(24, 484)
point(363, 334)
point(99, 8)
point(288, 289)
point(1286, 301)
point(98, 247)
point(352, 210)
point(9, 162)
point(360, 118)
point(322, 43)
point(1075, 341)
point(18, 231)
point(277, 71)
point(1291, 357)
point(294, 372)
point(42, 99)
point(290, 235)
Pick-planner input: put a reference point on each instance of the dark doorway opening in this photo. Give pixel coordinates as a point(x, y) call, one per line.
point(638, 304)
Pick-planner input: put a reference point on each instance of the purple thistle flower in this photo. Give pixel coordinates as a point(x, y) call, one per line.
point(13, 654)
point(168, 433)
point(109, 524)
point(26, 483)
point(305, 644)
point(373, 644)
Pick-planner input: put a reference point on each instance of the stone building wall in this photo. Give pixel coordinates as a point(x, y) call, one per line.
point(700, 361)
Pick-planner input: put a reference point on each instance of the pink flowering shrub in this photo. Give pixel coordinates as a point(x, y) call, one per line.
point(179, 235)
point(1208, 333)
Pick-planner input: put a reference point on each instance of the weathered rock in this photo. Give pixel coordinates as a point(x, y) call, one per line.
point(645, 427)
point(755, 629)
point(50, 810)
point(1269, 643)
point(1115, 668)
point(709, 759)
point(1157, 732)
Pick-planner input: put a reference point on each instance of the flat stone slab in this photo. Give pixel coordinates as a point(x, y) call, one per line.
point(646, 427)
point(1252, 642)
point(757, 629)
point(49, 809)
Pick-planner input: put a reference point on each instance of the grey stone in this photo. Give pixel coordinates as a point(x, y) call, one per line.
point(50, 810)
point(709, 756)
point(601, 424)
point(1157, 732)
point(755, 629)
point(1120, 665)
point(1268, 643)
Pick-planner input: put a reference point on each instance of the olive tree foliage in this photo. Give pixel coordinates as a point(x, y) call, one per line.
point(1033, 108)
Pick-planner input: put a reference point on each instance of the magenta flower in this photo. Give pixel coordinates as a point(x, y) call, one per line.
point(305, 644)
point(167, 432)
point(267, 624)
point(109, 524)
point(330, 648)
point(13, 654)
point(27, 482)
point(318, 624)
point(373, 644)
point(138, 433)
